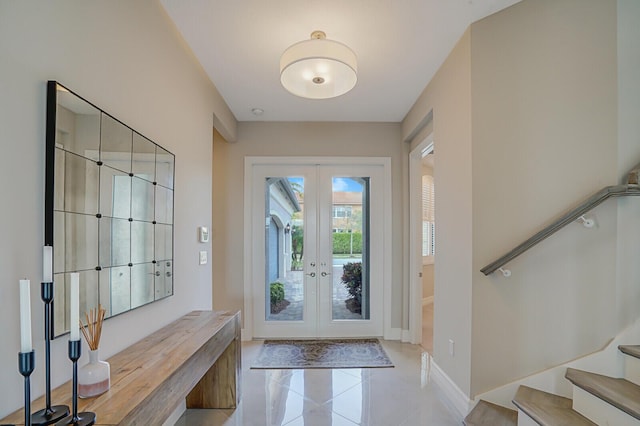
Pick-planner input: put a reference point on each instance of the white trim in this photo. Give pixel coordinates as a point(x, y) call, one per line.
point(454, 395)
point(387, 243)
point(406, 336)
point(248, 231)
point(427, 300)
point(393, 334)
point(385, 162)
point(415, 237)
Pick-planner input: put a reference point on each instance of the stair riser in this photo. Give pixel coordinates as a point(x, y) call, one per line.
point(599, 411)
point(525, 420)
point(632, 369)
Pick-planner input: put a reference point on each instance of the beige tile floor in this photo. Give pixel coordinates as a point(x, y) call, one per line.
point(400, 396)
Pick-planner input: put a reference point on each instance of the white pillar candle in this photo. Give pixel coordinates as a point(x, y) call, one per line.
point(74, 299)
point(47, 264)
point(25, 317)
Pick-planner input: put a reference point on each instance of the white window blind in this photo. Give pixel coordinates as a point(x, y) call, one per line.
point(428, 216)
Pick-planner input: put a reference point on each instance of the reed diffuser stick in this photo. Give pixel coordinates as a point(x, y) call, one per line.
point(92, 330)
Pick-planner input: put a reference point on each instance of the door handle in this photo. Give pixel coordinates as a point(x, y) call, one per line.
point(312, 274)
point(324, 274)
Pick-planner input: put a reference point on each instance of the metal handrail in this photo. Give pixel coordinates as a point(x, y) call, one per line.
point(631, 188)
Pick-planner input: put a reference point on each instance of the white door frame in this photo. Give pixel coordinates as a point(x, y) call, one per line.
point(415, 237)
point(249, 162)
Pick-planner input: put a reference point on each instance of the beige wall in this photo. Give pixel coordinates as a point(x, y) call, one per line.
point(628, 267)
point(544, 139)
point(292, 139)
point(127, 58)
point(541, 137)
point(448, 99)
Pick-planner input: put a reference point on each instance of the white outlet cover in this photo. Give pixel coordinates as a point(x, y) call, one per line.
point(203, 258)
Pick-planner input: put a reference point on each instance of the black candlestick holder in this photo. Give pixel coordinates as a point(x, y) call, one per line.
point(26, 364)
point(48, 415)
point(85, 418)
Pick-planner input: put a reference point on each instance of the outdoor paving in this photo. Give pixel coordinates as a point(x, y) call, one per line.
point(294, 293)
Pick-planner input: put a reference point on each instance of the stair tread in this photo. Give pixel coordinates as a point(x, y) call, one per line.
point(489, 414)
point(548, 409)
point(621, 393)
point(631, 350)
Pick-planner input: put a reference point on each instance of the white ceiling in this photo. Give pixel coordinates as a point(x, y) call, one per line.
point(400, 44)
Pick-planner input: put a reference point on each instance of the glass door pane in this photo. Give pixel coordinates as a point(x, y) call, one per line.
point(350, 248)
point(284, 249)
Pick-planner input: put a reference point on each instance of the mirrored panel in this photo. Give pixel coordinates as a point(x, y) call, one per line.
point(115, 285)
point(81, 242)
point(164, 205)
point(89, 296)
point(115, 242)
point(144, 158)
point(116, 142)
point(142, 287)
point(164, 167)
point(115, 193)
point(142, 199)
point(141, 242)
point(108, 209)
point(164, 278)
point(163, 242)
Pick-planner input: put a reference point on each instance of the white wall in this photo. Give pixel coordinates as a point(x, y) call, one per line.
point(292, 139)
point(127, 58)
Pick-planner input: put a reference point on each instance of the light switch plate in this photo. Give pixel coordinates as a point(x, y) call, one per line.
point(203, 258)
point(203, 234)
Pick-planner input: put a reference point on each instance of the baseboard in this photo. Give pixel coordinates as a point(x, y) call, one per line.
point(393, 334)
point(244, 336)
point(427, 300)
point(457, 399)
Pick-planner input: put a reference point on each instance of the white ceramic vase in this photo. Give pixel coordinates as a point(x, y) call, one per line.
point(94, 378)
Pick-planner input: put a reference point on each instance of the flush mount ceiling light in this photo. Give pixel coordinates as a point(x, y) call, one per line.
point(318, 68)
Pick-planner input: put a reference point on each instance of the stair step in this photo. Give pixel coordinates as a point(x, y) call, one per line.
point(631, 362)
point(631, 350)
point(548, 409)
point(489, 414)
point(621, 393)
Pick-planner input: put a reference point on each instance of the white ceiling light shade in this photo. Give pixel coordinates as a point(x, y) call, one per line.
point(318, 68)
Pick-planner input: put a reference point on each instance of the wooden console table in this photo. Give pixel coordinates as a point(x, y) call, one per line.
point(196, 357)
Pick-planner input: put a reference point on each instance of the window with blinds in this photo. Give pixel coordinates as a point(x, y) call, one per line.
point(428, 217)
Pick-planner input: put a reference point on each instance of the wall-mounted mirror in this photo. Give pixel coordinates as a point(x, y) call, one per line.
point(108, 209)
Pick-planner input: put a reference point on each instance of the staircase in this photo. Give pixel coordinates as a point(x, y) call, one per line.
point(597, 400)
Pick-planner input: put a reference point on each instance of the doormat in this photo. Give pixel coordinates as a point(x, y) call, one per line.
point(343, 353)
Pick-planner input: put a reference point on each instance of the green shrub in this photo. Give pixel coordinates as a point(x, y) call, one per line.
point(277, 292)
point(342, 243)
point(352, 279)
point(297, 247)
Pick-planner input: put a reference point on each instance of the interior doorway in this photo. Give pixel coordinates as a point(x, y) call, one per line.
point(422, 242)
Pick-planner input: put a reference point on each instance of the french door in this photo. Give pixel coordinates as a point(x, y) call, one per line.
point(317, 250)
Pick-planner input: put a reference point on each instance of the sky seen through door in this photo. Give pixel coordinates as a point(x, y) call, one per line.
point(339, 184)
